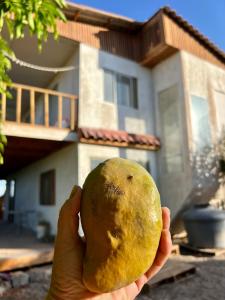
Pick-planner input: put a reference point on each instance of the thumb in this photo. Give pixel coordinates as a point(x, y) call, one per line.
point(68, 221)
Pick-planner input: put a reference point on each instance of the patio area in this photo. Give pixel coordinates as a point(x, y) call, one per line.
point(207, 283)
point(19, 248)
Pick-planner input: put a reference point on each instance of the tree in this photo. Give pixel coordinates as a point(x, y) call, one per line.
point(39, 16)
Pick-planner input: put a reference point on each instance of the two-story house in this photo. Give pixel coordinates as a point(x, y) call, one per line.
point(146, 91)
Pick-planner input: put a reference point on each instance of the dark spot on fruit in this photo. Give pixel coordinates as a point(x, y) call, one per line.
point(130, 177)
point(116, 232)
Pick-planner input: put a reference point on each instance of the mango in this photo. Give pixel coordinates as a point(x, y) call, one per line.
point(122, 223)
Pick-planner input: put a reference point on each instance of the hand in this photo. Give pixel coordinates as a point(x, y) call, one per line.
point(66, 283)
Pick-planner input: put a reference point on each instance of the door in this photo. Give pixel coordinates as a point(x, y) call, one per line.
point(11, 199)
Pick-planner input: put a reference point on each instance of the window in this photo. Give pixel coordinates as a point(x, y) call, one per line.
point(200, 122)
point(120, 89)
point(95, 162)
point(109, 93)
point(220, 112)
point(170, 130)
point(145, 165)
point(47, 188)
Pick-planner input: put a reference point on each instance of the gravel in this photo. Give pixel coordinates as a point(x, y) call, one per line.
point(208, 283)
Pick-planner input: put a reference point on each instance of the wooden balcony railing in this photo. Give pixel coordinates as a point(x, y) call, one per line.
point(31, 105)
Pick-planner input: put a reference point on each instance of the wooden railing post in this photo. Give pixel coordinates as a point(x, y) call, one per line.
point(3, 116)
point(60, 111)
point(18, 105)
point(46, 109)
point(44, 93)
point(32, 106)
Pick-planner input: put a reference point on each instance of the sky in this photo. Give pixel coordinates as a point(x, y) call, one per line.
point(208, 16)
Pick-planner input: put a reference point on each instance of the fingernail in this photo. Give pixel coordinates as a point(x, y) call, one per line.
point(74, 191)
point(167, 208)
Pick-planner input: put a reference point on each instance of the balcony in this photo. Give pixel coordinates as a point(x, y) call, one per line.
point(37, 122)
point(39, 113)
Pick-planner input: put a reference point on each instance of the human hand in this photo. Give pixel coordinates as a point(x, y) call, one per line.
point(66, 282)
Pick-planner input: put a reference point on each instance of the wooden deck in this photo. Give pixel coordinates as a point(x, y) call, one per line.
point(171, 271)
point(20, 249)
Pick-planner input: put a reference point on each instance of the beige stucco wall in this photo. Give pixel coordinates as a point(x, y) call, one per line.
point(174, 187)
point(88, 152)
point(94, 111)
point(28, 184)
point(204, 80)
point(67, 82)
point(193, 76)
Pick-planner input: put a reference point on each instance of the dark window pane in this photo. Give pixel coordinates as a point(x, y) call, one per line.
point(170, 130)
point(108, 86)
point(134, 98)
point(47, 188)
point(200, 122)
point(123, 90)
point(25, 106)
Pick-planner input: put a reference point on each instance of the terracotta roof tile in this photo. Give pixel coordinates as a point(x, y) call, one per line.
point(118, 137)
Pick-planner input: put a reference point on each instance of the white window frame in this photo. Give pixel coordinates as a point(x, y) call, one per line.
point(133, 100)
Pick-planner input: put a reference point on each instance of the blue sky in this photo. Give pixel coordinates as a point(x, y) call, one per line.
point(207, 16)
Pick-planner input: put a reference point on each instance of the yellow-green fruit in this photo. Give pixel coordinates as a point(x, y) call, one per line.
point(122, 222)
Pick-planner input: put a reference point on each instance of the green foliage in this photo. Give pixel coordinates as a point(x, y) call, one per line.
point(39, 17)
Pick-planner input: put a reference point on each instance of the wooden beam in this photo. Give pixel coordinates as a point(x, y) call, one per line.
point(60, 111)
point(172, 270)
point(42, 91)
point(46, 109)
point(18, 105)
point(32, 107)
point(38, 132)
point(118, 144)
point(76, 15)
point(21, 258)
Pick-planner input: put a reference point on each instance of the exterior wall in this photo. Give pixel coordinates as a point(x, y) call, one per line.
point(193, 76)
point(87, 152)
point(67, 82)
point(204, 80)
point(28, 185)
point(94, 111)
point(174, 187)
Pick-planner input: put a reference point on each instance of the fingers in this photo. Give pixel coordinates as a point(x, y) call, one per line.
point(74, 199)
point(71, 207)
point(165, 246)
point(68, 221)
point(166, 218)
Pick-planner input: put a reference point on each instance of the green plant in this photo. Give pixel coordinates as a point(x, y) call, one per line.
point(39, 17)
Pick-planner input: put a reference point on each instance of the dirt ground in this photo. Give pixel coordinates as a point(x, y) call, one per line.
point(208, 283)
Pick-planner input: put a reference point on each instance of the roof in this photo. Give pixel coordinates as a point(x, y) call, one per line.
point(118, 138)
point(85, 14)
point(89, 15)
point(193, 31)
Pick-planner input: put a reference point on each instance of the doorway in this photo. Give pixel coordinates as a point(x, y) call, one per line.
point(11, 199)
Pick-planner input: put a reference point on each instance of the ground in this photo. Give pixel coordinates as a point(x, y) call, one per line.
point(208, 283)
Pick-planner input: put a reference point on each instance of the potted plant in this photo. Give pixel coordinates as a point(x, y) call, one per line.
point(42, 230)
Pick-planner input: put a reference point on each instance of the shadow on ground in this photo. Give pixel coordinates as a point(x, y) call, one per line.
point(208, 283)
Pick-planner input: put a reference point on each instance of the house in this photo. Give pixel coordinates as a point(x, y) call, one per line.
point(151, 92)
